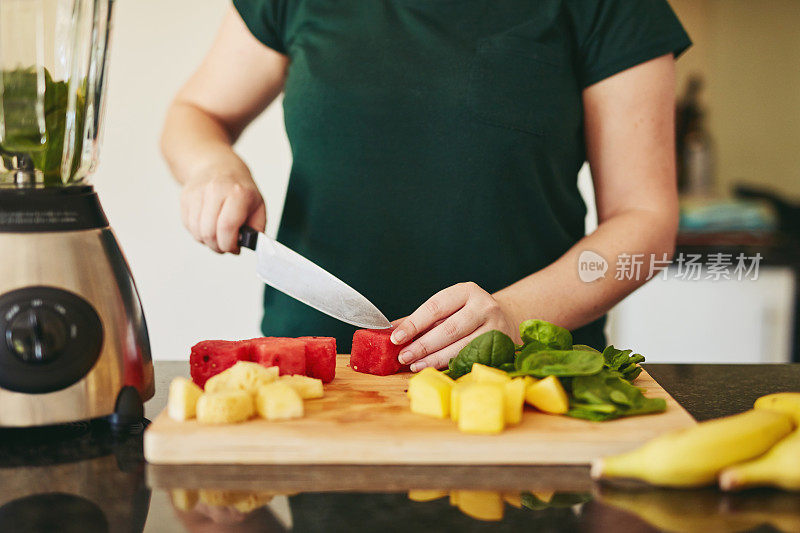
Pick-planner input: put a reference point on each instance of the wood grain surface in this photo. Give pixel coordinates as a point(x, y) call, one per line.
point(365, 419)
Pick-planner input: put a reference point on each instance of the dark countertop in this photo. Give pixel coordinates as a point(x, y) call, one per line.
point(81, 478)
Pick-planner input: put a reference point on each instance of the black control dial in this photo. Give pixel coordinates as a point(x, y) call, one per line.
point(38, 334)
point(49, 339)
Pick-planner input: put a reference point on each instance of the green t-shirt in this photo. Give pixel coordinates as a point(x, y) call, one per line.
point(439, 141)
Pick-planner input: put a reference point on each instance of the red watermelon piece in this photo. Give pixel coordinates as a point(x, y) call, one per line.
point(209, 358)
point(320, 357)
point(374, 353)
point(289, 355)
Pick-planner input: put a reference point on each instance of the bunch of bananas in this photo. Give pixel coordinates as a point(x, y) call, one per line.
point(757, 448)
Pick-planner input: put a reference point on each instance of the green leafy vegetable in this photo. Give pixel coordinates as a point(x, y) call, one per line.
point(584, 348)
point(608, 395)
point(561, 363)
point(623, 361)
point(558, 500)
point(493, 348)
point(26, 134)
point(550, 335)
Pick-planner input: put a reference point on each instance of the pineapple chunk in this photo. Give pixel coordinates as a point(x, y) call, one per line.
point(544, 496)
point(426, 495)
point(244, 376)
point(486, 374)
point(183, 499)
point(466, 378)
point(453, 498)
point(436, 374)
point(430, 394)
point(279, 401)
point(514, 499)
point(226, 407)
point(243, 501)
point(481, 504)
point(308, 388)
point(514, 400)
point(481, 408)
point(182, 399)
point(547, 395)
point(455, 399)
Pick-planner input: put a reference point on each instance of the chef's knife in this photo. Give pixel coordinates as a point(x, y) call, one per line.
point(296, 276)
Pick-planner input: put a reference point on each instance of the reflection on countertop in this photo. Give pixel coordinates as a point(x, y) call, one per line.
point(81, 478)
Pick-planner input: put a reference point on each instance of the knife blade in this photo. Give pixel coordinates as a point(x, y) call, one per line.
point(289, 272)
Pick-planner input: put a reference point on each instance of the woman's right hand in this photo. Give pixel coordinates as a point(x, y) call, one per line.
point(216, 203)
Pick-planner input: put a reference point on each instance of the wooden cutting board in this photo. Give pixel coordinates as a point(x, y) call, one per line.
point(365, 419)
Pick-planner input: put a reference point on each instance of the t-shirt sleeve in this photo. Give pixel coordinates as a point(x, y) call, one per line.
point(266, 20)
point(614, 35)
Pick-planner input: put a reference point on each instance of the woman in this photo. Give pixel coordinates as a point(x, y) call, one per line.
point(436, 145)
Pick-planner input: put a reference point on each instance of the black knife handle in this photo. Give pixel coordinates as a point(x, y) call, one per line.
point(248, 237)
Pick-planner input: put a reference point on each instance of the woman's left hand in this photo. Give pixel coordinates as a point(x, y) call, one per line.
point(448, 321)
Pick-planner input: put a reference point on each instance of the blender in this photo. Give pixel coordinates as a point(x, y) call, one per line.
point(73, 338)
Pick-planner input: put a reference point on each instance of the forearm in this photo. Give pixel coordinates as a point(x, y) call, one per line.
point(195, 143)
point(557, 294)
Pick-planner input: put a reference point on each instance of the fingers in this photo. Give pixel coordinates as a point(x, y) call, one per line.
point(456, 327)
point(214, 211)
point(441, 358)
point(235, 212)
point(209, 214)
point(258, 218)
point(439, 306)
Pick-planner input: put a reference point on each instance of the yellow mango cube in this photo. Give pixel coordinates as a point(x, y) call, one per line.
point(183, 499)
point(182, 399)
point(429, 395)
point(481, 504)
point(453, 498)
point(548, 396)
point(308, 388)
point(279, 401)
point(514, 499)
point(244, 376)
point(226, 407)
point(426, 495)
point(486, 374)
point(455, 399)
point(436, 374)
point(481, 408)
point(466, 378)
point(514, 400)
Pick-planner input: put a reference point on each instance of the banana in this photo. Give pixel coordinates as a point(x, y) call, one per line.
point(779, 467)
point(785, 402)
point(693, 457)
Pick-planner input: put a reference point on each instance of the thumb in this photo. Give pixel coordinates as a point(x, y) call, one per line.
point(258, 218)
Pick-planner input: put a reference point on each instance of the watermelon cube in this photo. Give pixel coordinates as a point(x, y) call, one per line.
point(320, 357)
point(289, 355)
point(374, 353)
point(209, 358)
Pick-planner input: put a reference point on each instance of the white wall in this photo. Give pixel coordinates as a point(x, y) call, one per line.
point(188, 292)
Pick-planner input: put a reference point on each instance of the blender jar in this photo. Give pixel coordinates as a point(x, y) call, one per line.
point(53, 68)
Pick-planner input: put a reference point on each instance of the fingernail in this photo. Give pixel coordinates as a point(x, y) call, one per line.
point(404, 357)
point(416, 367)
point(398, 336)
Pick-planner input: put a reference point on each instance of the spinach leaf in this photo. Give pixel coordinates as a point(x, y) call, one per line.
point(608, 395)
point(552, 336)
point(558, 500)
point(623, 362)
point(543, 363)
point(493, 348)
point(23, 129)
point(584, 348)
